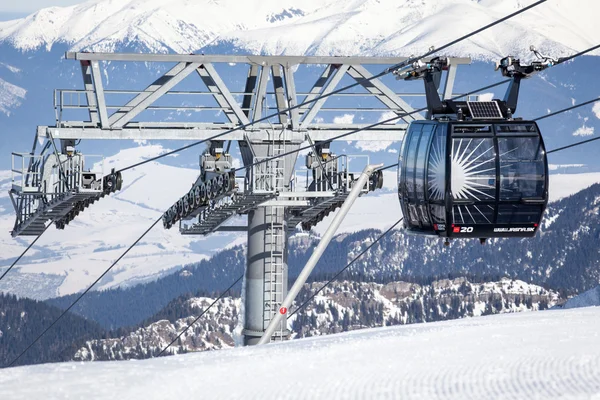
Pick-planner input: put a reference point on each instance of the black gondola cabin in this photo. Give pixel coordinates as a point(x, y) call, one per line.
point(473, 179)
point(472, 170)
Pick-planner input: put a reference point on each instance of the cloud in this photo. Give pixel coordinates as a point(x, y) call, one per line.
point(584, 131)
point(596, 109)
point(388, 115)
point(374, 145)
point(555, 167)
point(344, 119)
point(486, 96)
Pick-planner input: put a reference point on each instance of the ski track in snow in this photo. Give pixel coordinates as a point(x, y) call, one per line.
point(538, 355)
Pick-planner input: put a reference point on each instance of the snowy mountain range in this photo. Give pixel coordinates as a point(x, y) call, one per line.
point(342, 306)
point(308, 27)
point(32, 65)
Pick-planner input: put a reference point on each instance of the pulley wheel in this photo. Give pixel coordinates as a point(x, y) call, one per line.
point(226, 182)
point(220, 185)
point(216, 188)
point(119, 182)
point(197, 196)
point(202, 187)
point(209, 189)
point(186, 205)
point(179, 208)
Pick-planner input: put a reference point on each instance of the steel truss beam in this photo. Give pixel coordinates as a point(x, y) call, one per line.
point(325, 132)
point(270, 86)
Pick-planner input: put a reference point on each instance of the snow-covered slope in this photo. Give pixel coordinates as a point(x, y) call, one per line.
point(314, 27)
point(519, 356)
point(11, 96)
point(77, 255)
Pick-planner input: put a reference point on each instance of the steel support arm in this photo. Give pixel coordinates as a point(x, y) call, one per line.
point(314, 258)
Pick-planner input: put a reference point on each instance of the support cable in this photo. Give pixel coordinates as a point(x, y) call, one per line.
point(25, 251)
point(284, 154)
point(393, 119)
point(337, 91)
point(201, 314)
point(233, 284)
point(538, 119)
point(345, 268)
point(84, 293)
point(572, 145)
point(567, 109)
point(579, 54)
point(385, 121)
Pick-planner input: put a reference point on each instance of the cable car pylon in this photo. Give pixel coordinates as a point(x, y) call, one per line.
point(278, 320)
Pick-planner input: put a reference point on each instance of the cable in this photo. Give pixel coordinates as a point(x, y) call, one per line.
point(201, 314)
point(572, 145)
point(567, 109)
point(281, 155)
point(345, 268)
point(392, 119)
point(537, 119)
point(334, 92)
point(297, 309)
point(578, 54)
point(25, 251)
point(84, 293)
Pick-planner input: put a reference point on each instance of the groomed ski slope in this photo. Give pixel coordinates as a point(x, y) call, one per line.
point(540, 355)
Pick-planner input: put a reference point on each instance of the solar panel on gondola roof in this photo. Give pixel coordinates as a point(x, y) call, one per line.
point(484, 110)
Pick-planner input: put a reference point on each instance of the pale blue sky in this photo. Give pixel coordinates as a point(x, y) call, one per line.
point(29, 6)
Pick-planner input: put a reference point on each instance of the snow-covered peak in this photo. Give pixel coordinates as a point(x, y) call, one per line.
point(161, 25)
point(338, 27)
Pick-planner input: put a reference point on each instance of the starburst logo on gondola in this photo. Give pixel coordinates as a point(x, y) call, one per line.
point(473, 169)
point(473, 175)
point(437, 169)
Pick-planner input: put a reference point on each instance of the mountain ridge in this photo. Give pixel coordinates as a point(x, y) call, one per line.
point(333, 27)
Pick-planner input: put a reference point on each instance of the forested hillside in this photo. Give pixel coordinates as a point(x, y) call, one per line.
point(22, 320)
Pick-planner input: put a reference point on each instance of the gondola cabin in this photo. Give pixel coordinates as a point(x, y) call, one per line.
point(473, 179)
point(471, 169)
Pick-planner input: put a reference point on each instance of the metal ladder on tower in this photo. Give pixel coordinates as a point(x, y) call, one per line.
point(274, 268)
point(274, 276)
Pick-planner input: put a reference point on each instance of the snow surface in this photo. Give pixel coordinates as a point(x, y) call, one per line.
point(99, 235)
point(541, 355)
point(338, 27)
point(11, 96)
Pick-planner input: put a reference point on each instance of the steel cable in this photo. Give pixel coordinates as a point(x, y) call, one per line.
point(337, 91)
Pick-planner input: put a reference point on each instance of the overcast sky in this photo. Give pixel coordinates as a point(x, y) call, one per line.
point(28, 6)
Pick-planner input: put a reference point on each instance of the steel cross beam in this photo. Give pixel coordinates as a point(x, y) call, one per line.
point(272, 84)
